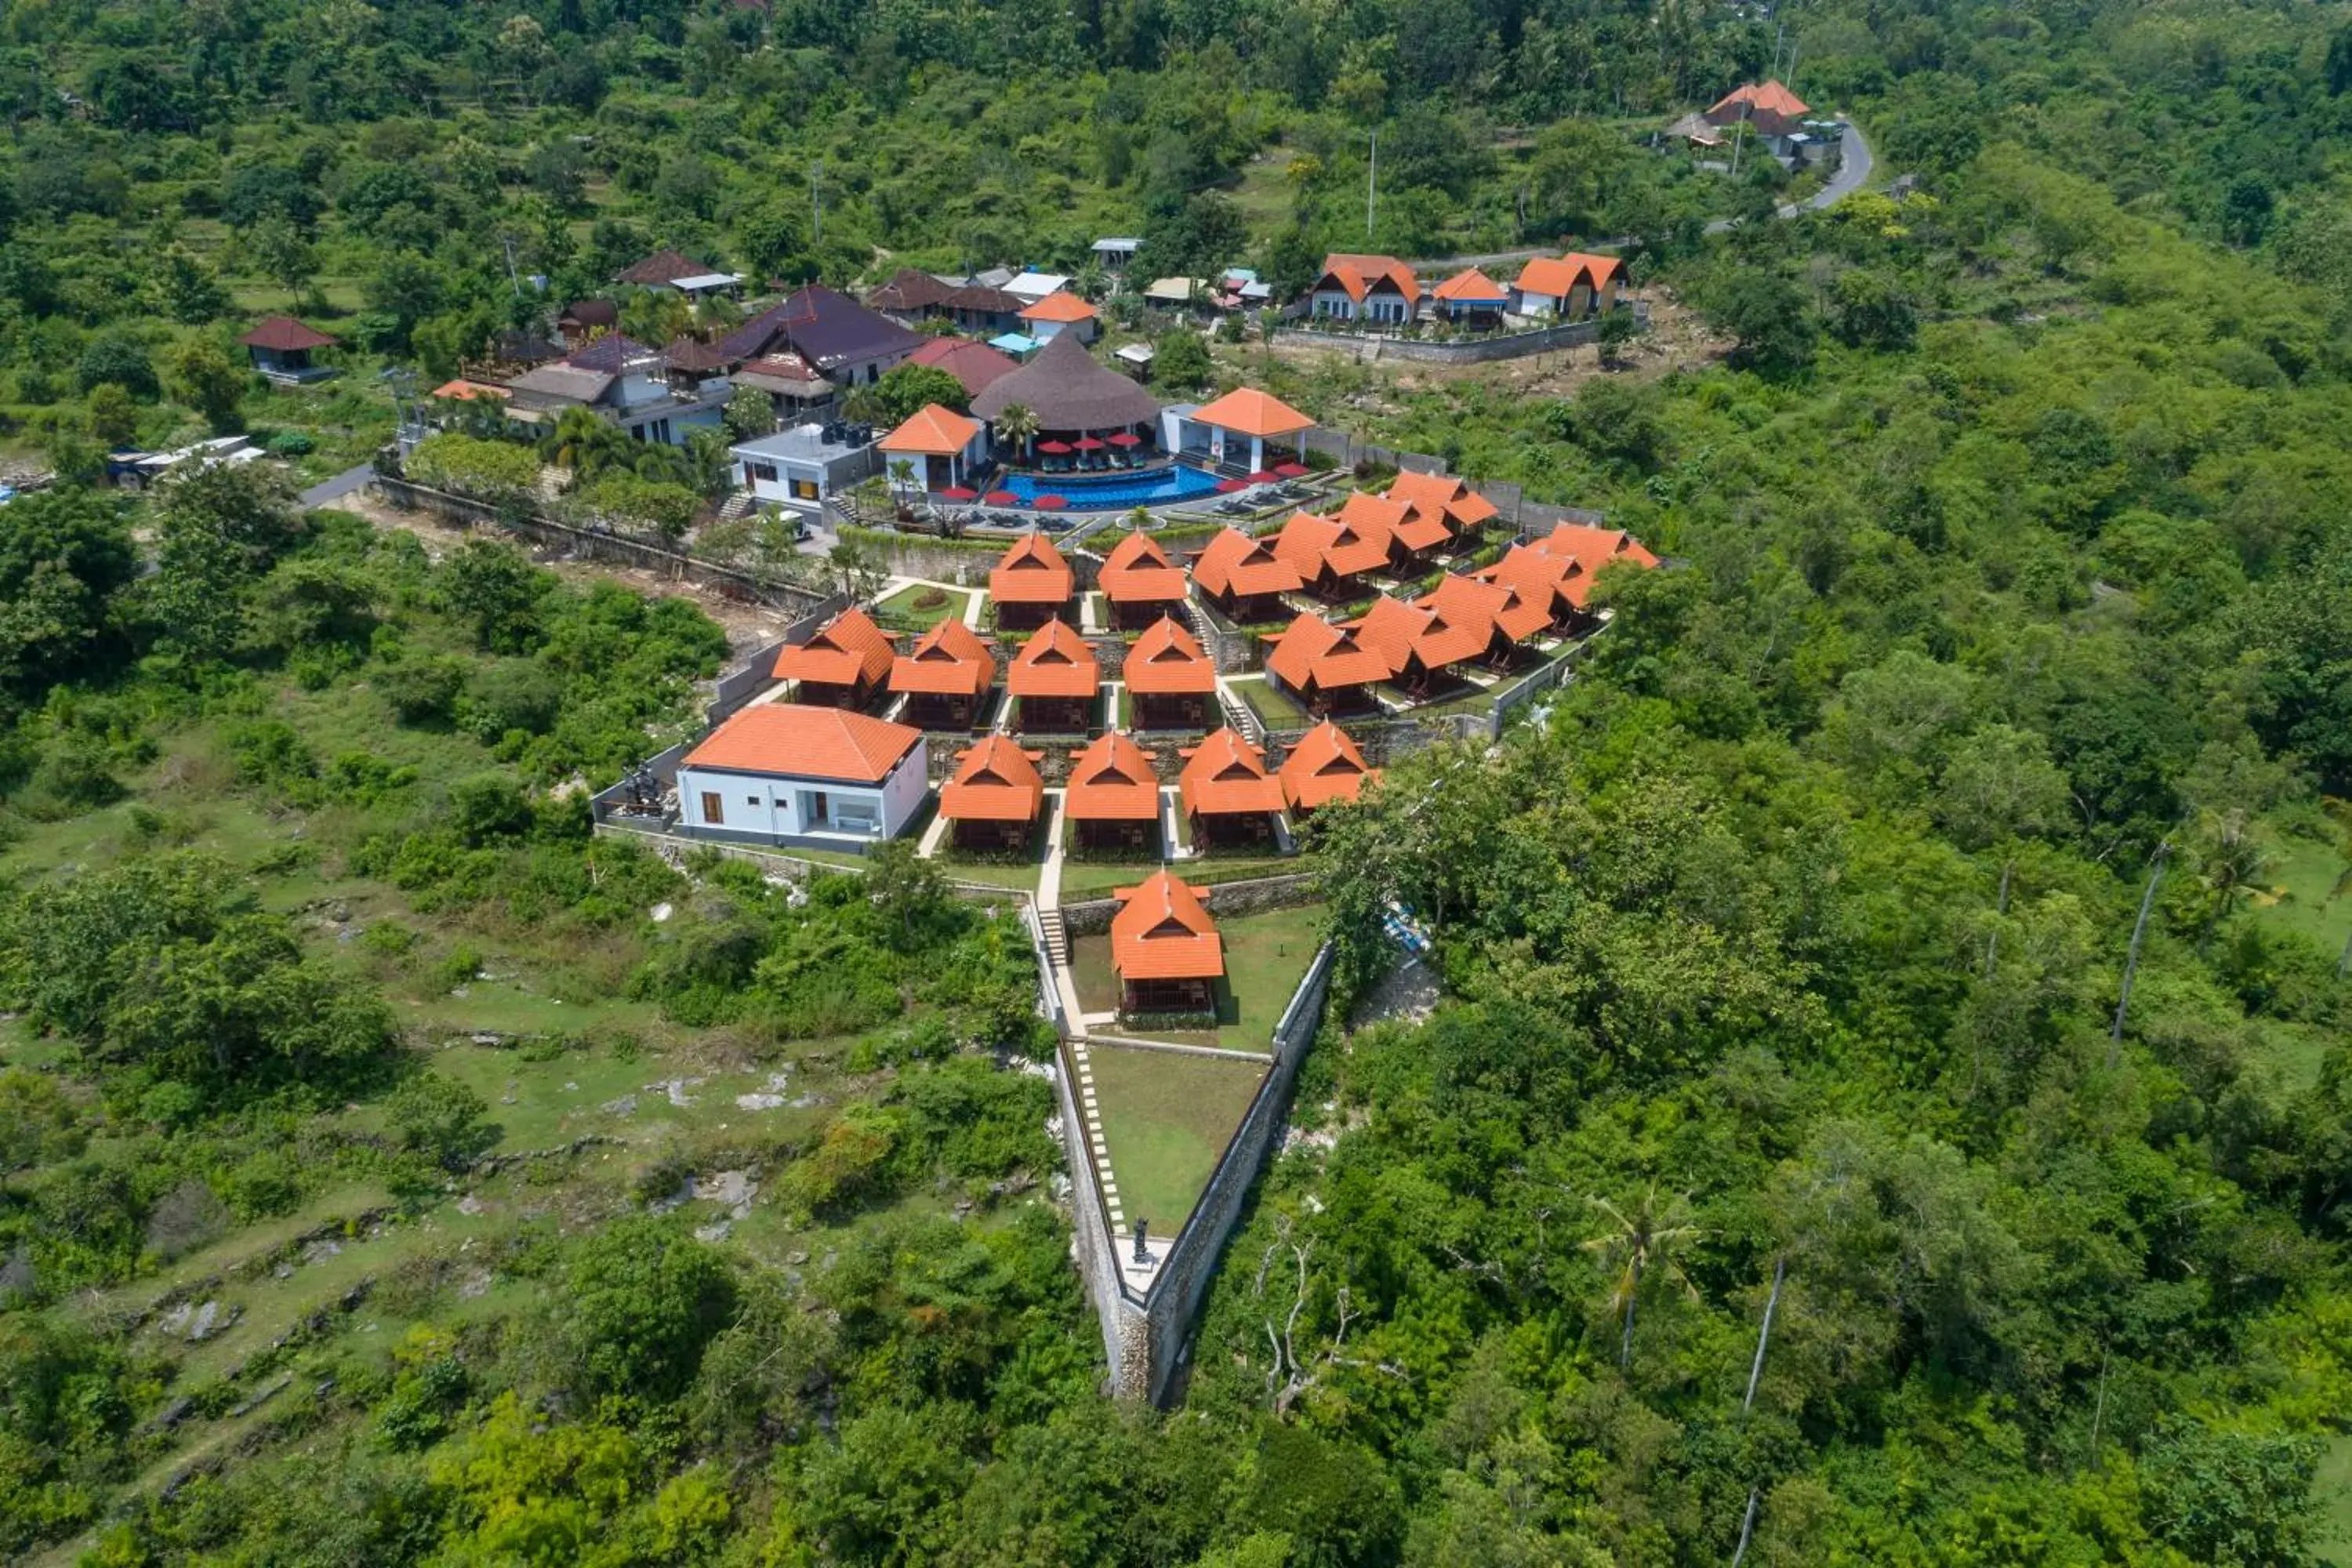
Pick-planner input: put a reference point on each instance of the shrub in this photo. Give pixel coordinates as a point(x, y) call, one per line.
point(422, 691)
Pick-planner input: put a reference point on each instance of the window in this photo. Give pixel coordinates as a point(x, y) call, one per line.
point(750, 800)
point(806, 490)
point(712, 816)
point(764, 471)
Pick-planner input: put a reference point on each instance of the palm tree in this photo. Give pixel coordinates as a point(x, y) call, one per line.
point(1018, 425)
point(1643, 1241)
point(655, 316)
point(709, 465)
point(586, 444)
point(902, 479)
point(2232, 853)
point(2339, 812)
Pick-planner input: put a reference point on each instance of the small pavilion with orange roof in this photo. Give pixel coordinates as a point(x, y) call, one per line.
point(1331, 555)
point(1245, 578)
point(1173, 684)
point(1327, 668)
point(1414, 536)
point(1058, 312)
point(845, 665)
point(1326, 765)
point(1140, 582)
point(1471, 299)
point(1592, 546)
point(1421, 642)
point(1243, 421)
point(1112, 798)
point(1555, 585)
point(1055, 679)
point(996, 796)
point(945, 676)
point(1442, 498)
point(1031, 583)
point(1165, 948)
point(1570, 286)
point(1226, 790)
point(944, 448)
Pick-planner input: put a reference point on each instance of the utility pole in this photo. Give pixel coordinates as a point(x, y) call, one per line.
point(2131, 960)
point(508, 241)
point(1372, 188)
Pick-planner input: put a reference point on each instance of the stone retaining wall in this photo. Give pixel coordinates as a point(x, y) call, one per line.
point(1226, 900)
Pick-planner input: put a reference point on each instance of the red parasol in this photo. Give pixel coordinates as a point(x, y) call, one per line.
point(1002, 497)
point(1126, 438)
point(1291, 470)
point(959, 492)
point(1264, 476)
point(1059, 448)
point(1086, 443)
point(1049, 502)
point(1230, 487)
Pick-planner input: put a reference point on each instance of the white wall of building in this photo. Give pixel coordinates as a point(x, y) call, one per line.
point(782, 805)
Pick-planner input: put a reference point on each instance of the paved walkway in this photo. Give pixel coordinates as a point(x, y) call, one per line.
point(328, 491)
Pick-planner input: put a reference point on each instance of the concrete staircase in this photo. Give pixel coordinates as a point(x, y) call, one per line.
point(738, 505)
point(1057, 939)
point(1241, 717)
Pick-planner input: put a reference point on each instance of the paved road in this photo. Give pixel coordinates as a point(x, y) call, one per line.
point(328, 491)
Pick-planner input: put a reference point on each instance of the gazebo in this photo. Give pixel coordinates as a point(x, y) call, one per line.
point(943, 445)
point(996, 796)
point(281, 349)
point(1248, 417)
point(1227, 791)
point(1165, 948)
point(1071, 394)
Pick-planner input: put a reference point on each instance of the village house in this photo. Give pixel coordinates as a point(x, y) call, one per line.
point(802, 467)
point(1031, 584)
point(787, 773)
point(985, 310)
point(1325, 766)
point(1226, 791)
point(911, 298)
point(1376, 290)
point(945, 677)
point(1141, 582)
point(584, 318)
point(975, 366)
point(844, 665)
point(1333, 557)
point(1567, 287)
point(1057, 313)
point(1055, 679)
point(795, 390)
point(1421, 642)
point(1165, 948)
point(940, 448)
point(1554, 586)
point(280, 348)
point(1593, 547)
point(995, 798)
point(1471, 299)
point(1327, 668)
point(847, 344)
point(1443, 499)
point(1245, 578)
point(1112, 798)
point(1413, 535)
point(1171, 682)
point(628, 382)
point(675, 269)
point(1767, 108)
point(1117, 254)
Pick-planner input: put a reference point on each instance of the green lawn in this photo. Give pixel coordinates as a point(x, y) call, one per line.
point(2332, 1487)
point(1094, 878)
point(1266, 957)
point(2306, 870)
point(1166, 1119)
point(1274, 708)
point(902, 610)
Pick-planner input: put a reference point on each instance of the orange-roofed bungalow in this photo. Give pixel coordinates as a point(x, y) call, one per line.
point(1245, 578)
point(1414, 537)
point(1444, 499)
point(1226, 790)
point(1243, 422)
point(1471, 299)
point(1594, 548)
point(846, 664)
point(1421, 642)
point(1140, 582)
point(1058, 312)
point(1326, 765)
point(784, 772)
point(1054, 679)
point(1171, 681)
point(945, 676)
point(1378, 289)
point(940, 447)
point(1166, 949)
point(1031, 584)
point(1328, 668)
point(1769, 106)
point(996, 796)
point(1112, 798)
point(1333, 557)
point(1555, 585)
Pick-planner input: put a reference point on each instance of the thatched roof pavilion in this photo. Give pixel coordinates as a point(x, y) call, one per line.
point(1067, 389)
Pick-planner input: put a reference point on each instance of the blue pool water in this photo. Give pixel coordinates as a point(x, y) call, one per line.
point(1101, 493)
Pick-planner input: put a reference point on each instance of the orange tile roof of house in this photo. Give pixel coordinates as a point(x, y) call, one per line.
point(1313, 543)
point(1416, 529)
point(285, 335)
point(1592, 547)
point(1249, 412)
point(1767, 98)
point(1112, 781)
point(1233, 563)
point(851, 648)
point(464, 391)
point(1312, 651)
point(1463, 506)
point(1056, 662)
point(949, 660)
point(1162, 931)
point(1167, 661)
point(1061, 305)
point(802, 741)
point(1138, 572)
point(1358, 273)
point(1323, 767)
point(1538, 579)
point(1433, 636)
point(1469, 284)
point(933, 431)
point(1598, 268)
point(1475, 605)
point(995, 780)
point(1032, 573)
point(1226, 773)
point(1554, 275)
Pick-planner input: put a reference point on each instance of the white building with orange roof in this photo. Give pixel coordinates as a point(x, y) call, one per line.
point(784, 772)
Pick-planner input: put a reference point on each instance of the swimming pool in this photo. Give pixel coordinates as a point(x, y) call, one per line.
point(1101, 493)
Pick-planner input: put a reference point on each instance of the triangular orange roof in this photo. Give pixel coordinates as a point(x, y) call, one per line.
point(1056, 662)
point(1235, 563)
point(1061, 305)
point(808, 743)
point(1226, 773)
point(1032, 573)
point(1592, 547)
point(1323, 767)
point(1463, 507)
point(949, 660)
point(1167, 661)
point(1418, 529)
point(1162, 931)
point(1112, 781)
point(933, 431)
point(1770, 98)
point(1311, 543)
point(1311, 650)
point(1469, 284)
point(1538, 580)
point(1598, 268)
point(1247, 411)
point(1358, 274)
point(849, 649)
point(1138, 572)
point(995, 780)
point(1556, 276)
point(1469, 609)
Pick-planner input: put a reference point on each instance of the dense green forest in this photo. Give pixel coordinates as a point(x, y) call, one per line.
point(2002, 673)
